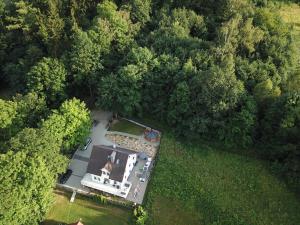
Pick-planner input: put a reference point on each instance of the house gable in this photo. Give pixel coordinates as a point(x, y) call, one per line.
point(110, 162)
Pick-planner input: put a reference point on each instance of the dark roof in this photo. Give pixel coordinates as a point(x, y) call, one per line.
point(100, 159)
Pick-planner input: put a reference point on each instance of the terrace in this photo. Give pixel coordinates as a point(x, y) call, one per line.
point(139, 177)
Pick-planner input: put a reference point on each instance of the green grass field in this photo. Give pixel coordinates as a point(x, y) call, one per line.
point(127, 127)
point(290, 13)
point(90, 213)
point(196, 184)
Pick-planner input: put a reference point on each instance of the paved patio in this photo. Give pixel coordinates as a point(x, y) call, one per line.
point(80, 159)
point(138, 189)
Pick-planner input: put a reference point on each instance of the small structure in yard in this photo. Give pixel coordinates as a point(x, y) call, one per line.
point(151, 135)
point(78, 223)
point(109, 169)
point(73, 196)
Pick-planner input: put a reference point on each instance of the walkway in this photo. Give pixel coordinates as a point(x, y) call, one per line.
point(138, 189)
point(80, 159)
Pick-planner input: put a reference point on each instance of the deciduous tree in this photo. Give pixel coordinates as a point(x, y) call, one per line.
point(48, 78)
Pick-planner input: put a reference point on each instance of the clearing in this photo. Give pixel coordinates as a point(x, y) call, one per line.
point(90, 212)
point(194, 183)
point(290, 13)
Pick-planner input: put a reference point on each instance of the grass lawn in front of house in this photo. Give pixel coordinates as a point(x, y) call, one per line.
point(127, 127)
point(90, 212)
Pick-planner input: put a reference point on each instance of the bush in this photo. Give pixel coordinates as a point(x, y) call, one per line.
point(141, 215)
point(100, 199)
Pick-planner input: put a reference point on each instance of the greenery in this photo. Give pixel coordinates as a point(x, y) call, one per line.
point(141, 215)
point(90, 212)
point(33, 158)
point(20, 112)
point(28, 173)
point(48, 77)
point(71, 122)
point(100, 199)
point(225, 70)
point(127, 127)
point(195, 183)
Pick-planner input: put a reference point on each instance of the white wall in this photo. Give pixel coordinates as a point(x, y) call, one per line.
point(129, 166)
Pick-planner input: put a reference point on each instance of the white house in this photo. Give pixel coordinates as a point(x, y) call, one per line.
point(109, 168)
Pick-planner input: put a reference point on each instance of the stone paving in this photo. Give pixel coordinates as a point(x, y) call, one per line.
point(138, 189)
point(136, 144)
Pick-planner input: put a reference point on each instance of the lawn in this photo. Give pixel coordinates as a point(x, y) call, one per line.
point(127, 127)
point(290, 13)
point(193, 183)
point(90, 213)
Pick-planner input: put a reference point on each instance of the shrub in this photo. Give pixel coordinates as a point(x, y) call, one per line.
point(141, 215)
point(100, 199)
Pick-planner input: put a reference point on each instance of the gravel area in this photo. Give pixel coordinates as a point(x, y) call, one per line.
point(133, 143)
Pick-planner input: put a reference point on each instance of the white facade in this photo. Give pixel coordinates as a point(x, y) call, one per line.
point(88, 180)
point(129, 166)
point(104, 183)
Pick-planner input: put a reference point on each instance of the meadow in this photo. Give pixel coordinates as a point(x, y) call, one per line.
point(194, 183)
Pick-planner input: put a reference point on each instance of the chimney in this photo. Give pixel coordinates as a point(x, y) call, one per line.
point(113, 156)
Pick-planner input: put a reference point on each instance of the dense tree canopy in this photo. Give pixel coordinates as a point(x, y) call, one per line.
point(22, 111)
point(8, 113)
point(28, 173)
point(223, 69)
point(33, 159)
point(47, 78)
point(71, 123)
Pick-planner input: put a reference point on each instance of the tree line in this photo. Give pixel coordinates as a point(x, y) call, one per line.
point(219, 69)
point(35, 144)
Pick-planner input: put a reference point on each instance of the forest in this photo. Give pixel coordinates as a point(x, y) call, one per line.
point(226, 71)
